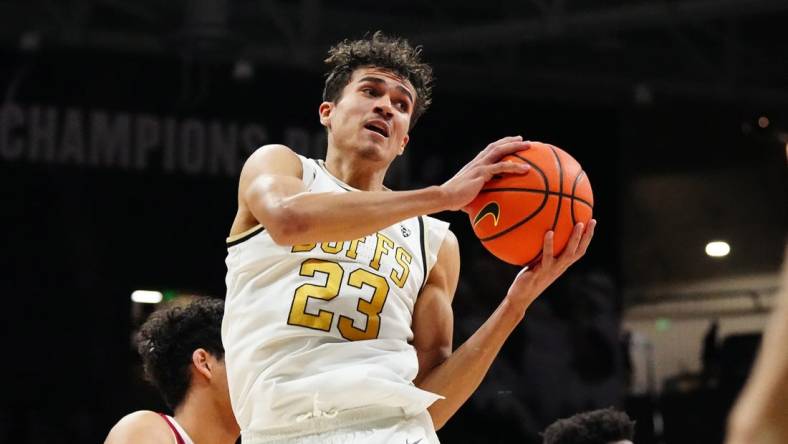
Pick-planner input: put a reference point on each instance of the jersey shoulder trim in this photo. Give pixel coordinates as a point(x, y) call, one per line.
point(434, 232)
point(321, 164)
point(246, 235)
point(422, 242)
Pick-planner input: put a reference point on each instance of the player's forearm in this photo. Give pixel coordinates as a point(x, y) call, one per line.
point(758, 415)
point(317, 217)
point(759, 411)
point(460, 375)
point(763, 392)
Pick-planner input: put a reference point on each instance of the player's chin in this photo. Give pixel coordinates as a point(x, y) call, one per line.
point(375, 151)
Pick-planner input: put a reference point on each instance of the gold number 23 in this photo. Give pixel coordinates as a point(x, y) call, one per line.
point(323, 319)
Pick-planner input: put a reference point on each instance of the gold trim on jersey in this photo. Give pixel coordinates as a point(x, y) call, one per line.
point(240, 237)
point(322, 164)
point(333, 178)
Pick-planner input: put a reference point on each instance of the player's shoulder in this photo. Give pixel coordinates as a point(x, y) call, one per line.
point(273, 149)
point(140, 426)
point(273, 159)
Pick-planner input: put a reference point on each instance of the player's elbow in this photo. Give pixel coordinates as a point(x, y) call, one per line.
point(287, 226)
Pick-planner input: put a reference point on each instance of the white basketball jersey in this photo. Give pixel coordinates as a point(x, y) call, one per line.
point(317, 328)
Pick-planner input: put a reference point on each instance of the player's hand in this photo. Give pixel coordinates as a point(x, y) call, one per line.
point(531, 282)
point(461, 189)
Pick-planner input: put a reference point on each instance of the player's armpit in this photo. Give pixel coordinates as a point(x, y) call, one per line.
point(433, 318)
point(141, 427)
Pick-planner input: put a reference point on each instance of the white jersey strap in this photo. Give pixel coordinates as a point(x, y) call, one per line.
point(433, 232)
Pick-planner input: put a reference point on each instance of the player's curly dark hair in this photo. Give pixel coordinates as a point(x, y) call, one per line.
point(168, 338)
point(595, 427)
point(380, 51)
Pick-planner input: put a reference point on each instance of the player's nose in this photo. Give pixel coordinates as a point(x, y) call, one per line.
point(384, 107)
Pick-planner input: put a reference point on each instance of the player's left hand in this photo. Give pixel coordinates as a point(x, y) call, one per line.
point(531, 282)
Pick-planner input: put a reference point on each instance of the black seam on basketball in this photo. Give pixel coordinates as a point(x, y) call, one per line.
point(538, 170)
point(560, 185)
point(535, 190)
point(247, 237)
point(574, 188)
point(535, 212)
point(422, 240)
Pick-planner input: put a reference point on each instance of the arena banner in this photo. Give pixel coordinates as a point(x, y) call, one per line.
point(98, 138)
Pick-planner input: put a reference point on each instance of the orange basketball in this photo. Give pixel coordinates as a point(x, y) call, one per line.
point(513, 212)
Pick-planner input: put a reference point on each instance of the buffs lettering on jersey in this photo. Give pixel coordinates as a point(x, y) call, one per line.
point(386, 251)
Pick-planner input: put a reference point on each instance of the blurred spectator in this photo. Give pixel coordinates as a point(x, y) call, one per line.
point(604, 426)
point(710, 354)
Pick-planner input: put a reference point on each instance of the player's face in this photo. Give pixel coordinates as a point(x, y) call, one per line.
point(372, 115)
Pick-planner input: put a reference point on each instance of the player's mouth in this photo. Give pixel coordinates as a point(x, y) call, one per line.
point(378, 126)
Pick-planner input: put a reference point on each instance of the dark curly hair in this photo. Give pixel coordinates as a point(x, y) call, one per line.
point(168, 338)
point(595, 427)
point(380, 51)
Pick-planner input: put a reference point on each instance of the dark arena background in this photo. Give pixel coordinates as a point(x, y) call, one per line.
point(124, 125)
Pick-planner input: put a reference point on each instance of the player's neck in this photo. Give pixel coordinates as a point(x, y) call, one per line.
point(358, 173)
point(203, 422)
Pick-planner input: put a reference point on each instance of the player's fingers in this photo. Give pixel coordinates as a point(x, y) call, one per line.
point(505, 168)
point(503, 140)
point(589, 233)
point(505, 149)
point(491, 146)
point(547, 249)
point(574, 241)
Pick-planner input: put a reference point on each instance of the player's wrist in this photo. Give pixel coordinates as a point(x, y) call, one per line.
point(515, 307)
point(438, 198)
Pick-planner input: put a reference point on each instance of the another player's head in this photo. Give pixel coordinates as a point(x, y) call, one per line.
point(605, 426)
point(182, 352)
point(375, 91)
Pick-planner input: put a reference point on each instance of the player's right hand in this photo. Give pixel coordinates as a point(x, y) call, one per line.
point(461, 189)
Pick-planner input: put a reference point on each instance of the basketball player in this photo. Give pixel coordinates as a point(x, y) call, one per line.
point(338, 323)
point(760, 415)
point(183, 357)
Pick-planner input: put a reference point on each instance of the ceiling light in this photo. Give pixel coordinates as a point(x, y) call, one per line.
point(718, 249)
point(243, 70)
point(146, 297)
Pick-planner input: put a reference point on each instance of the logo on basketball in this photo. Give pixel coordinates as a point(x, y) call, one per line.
point(491, 209)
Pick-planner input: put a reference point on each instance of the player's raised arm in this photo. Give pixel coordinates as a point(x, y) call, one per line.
point(272, 193)
point(759, 415)
point(457, 375)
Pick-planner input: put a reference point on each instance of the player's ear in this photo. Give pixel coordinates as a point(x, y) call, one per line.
point(201, 362)
point(405, 141)
point(324, 111)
